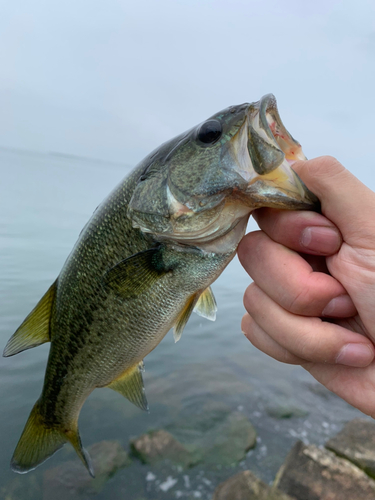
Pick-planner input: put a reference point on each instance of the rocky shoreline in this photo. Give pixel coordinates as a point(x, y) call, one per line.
point(343, 469)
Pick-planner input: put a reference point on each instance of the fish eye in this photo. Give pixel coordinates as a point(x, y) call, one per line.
point(210, 132)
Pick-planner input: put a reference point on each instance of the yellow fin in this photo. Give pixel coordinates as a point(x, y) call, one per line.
point(130, 385)
point(40, 441)
point(35, 329)
point(206, 305)
point(184, 317)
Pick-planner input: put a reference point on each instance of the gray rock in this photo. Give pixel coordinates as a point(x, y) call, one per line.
point(71, 478)
point(356, 442)
point(217, 435)
point(311, 473)
point(228, 441)
point(160, 445)
point(246, 486)
point(286, 411)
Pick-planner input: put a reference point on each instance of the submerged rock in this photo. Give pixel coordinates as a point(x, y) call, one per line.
point(71, 479)
point(218, 435)
point(285, 411)
point(228, 441)
point(247, 486)
point(311, 473)
point(210, 433)
point(356, 442)
point(160, 445)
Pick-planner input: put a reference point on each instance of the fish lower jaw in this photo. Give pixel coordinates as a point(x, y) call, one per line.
point(221, 242)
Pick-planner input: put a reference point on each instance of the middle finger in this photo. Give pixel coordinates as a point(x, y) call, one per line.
point(290, 281)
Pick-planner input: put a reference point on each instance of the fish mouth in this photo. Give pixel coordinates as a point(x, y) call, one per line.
point(272, 151)
point(248, 167)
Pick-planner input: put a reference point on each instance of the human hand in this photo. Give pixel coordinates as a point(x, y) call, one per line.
point(317, 309)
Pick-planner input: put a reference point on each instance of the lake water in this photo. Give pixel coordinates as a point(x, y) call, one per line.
point(45, 200)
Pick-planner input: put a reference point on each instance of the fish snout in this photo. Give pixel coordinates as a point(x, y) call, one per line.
point(273, 150)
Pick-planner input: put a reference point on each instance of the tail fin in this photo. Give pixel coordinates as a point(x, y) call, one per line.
point(39, 442)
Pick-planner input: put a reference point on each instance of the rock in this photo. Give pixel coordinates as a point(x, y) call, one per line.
point(217, 435)
point(72, 479)
point(246, 486)
point(160, 445)
point(356, 442)
point(286, 411)
point(311, 473)
point(228, 441)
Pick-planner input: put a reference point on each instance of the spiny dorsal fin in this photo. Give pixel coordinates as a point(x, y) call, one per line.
point(134, 275)
point(130, 385)
point(206, 305)
point(184, 317)
point(35, 329)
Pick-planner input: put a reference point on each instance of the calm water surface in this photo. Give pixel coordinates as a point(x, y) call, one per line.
point(44, 202)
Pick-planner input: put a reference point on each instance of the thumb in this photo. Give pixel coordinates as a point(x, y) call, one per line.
point(345, 200)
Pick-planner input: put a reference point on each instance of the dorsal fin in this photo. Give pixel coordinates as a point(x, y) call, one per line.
point(130, 385)
point(134, 275)
point(35, 330)
point(206, 305)
point(184, 317)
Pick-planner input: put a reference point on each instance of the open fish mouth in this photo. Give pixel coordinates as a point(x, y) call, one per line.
point(272, 150)
point(266, 121)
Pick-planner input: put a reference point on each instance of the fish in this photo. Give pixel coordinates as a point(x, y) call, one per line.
point(145, 261)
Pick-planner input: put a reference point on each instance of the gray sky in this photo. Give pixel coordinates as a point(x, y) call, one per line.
point(114, 79)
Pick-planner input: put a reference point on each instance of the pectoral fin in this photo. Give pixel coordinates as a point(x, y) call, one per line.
point(206, 305)
point(35, 330)
point(184, 317)
point(130, 385)
point(135, 275)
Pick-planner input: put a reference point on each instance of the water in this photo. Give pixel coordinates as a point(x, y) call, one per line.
point(45, 200)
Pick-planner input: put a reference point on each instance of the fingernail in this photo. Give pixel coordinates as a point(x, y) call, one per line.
point(320, 239)
point(358, 355)
point(341, 306)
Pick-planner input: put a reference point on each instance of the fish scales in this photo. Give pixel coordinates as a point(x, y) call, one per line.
point(146, 259)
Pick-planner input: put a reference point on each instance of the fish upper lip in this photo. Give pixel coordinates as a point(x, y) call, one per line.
point(265, 118)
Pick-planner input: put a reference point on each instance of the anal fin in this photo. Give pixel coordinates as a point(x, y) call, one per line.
point(206, 305)
point(35, 330)
point(130, 385)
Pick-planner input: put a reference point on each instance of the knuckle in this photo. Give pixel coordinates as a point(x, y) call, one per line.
point(301, 302)
point(325, 166)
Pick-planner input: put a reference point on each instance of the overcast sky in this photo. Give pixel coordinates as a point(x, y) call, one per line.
point(114, 79)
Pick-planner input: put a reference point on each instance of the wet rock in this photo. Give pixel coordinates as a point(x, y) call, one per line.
point(286, 411)
point(228, 441)
point(311, 473)
point(356, 442)
point(160, 445)
point(71, 479)
point(246, 486)
point(217, 435)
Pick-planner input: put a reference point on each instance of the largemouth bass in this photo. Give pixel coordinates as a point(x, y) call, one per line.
point(145, 261)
